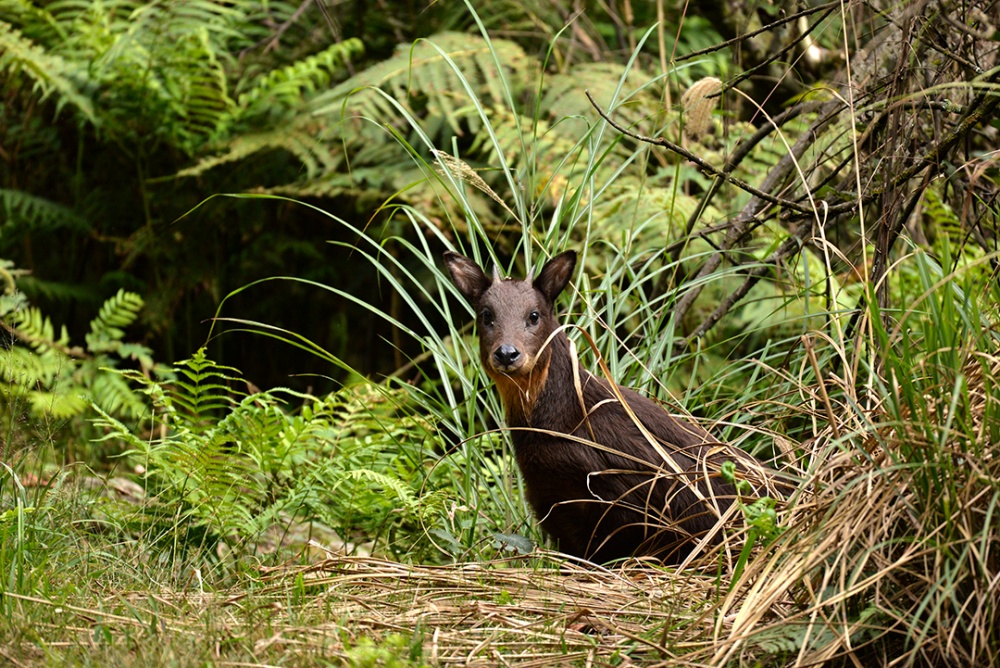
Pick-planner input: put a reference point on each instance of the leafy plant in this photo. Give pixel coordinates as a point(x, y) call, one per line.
point(136, 91)
point(58, 380)
point(238, 469)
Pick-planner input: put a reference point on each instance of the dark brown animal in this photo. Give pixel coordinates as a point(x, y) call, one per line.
point(600, 484)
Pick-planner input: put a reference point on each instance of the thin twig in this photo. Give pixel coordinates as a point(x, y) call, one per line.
point(781, 52)
point(788, 247)
point(750, 35)
point(705, 166)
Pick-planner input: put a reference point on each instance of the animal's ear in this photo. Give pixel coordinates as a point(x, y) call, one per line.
point(555, 275)
point(467, 275)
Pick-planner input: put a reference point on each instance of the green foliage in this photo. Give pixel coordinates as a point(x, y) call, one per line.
point(155, 97)
point(941, 380)
point(59, 380)
point(241, 469)
point(129, 92)
point(470, 142)
point(49, 73)
point(22, 211)
point(289, 85)
point(393, 651)
point(791, 639)
point(448, 75)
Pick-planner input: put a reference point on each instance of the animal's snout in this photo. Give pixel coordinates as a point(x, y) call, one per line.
point(506, 355)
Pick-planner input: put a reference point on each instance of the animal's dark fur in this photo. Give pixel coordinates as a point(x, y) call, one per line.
point(601, 502)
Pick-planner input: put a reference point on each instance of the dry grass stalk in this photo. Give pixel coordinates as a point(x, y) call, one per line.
point(462, 170)
point(876, 568)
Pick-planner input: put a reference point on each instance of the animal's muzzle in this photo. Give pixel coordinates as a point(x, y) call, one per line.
point(506, 356)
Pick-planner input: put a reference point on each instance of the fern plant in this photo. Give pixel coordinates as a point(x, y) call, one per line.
point(60, 380)
point(242, 470)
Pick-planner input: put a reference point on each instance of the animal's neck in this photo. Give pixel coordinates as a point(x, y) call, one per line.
point(546, 398)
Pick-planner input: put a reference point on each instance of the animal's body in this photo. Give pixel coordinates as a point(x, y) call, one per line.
point(592, 475)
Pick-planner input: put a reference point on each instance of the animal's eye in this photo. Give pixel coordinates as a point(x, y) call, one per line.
point(487, 316)
point(533, 317)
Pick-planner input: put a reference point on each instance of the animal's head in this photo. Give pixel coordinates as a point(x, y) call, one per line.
point(515, 318)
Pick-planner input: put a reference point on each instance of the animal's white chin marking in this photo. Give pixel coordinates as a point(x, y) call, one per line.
point(514, 370)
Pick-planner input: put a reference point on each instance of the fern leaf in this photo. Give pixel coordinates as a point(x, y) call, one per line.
point(112, 393)
point(202, 97)
point(31, 212)
point(27, 368)
point(39, 331)
point(313, 154)
point(65, 402)
point(117, 312)
point(388, 483)
point(429, 71)
point(631, 206)
point(941, 220)
point(289, 85)
point(49, 72)
point(201, 395)
point(562, 97)
point(114, 429)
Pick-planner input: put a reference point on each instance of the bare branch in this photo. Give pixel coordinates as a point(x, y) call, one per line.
point(705, 166)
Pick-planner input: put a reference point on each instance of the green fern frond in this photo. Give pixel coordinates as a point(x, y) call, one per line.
point(518, 17)
point(161, 67)
point(200, 90)
point(21, 367)
point(37, 330)
point(642, 214)
point(31, 212)
point(388, 483)
point(289, 85)
point(253, 464)
point(37, 22)
point(423, 74)
point(61, 381)
point(549, 150)
point(112, 393)
point(942, 223)
point(57, 291)
point(62, 403)
point(50, 74)
point(563, 97)
point(116, 312)
point(113, 428)
point(203, 393)
point(27, 368)
point(313, 155)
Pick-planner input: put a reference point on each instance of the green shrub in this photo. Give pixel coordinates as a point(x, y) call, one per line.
point(42, 371)
point(239, 472)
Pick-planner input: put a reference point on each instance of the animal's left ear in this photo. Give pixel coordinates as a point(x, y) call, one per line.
point(555, 275)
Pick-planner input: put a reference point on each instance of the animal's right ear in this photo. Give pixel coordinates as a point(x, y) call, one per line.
point(468, 277)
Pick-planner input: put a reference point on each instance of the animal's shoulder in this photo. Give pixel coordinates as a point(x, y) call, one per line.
point(605, 406)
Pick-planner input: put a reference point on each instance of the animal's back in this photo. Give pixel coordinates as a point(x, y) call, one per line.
point(602, 489)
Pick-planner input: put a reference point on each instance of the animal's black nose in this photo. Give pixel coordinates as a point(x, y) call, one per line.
point(506, 355)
